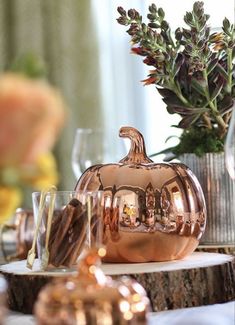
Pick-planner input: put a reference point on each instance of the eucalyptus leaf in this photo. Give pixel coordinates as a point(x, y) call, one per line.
point(198, 87)
point(188, 120)
point(178, 63)
point(170, 109)
point(153, 8)
point(212, 65)
point(173, 101)
point(221, 71)
point(166, 92)
point(161, 13)
point(226, 24)
point(190, 110)
point(225, 104)
point(233, 53)
point(217, 90)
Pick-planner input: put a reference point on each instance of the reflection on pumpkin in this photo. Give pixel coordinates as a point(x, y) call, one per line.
point(177, 200)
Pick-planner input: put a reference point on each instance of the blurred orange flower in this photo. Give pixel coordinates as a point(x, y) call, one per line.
point(32, 114)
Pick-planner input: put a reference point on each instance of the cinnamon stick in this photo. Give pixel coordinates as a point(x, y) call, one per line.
point(68, 233)
point(61, 230)
point(76, 234)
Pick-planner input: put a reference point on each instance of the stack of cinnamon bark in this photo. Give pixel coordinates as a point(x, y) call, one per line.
point(68, 233)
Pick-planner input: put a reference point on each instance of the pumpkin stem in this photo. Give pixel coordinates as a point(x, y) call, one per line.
point(137, 153)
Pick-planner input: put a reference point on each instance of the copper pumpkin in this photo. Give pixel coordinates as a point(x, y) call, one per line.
point(91, 298)
point(152, 211)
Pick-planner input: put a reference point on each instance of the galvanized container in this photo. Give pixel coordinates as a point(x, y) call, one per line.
point(219, 191)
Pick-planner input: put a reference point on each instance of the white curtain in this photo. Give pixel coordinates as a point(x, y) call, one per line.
point(125, 100)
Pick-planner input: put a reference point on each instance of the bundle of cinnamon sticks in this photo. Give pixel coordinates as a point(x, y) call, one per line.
point(69, 233)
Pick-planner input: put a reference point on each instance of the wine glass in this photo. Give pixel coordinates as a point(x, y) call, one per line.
point(91, 147)
point(87, 150)
point(230, 146)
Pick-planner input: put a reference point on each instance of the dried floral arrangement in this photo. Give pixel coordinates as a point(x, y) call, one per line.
point(193, 70)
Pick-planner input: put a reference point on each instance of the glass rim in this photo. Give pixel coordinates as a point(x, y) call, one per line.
point(58, 193)
point(89, 130)
point(70, 192)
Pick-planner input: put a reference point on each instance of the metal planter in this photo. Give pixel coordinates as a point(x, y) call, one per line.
point(219, 191)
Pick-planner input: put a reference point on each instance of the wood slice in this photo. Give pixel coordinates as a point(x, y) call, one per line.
point(200, 279)
point(222, 249)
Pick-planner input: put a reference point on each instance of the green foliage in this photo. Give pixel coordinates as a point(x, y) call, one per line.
point(198, 141)
point(29, 65)
point(193, 70)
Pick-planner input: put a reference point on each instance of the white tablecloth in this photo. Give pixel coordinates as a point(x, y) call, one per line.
point(219, 314)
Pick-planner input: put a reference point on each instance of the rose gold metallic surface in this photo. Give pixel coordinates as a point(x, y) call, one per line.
point(23, 225)
point(152, 211)
point(91, 298)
